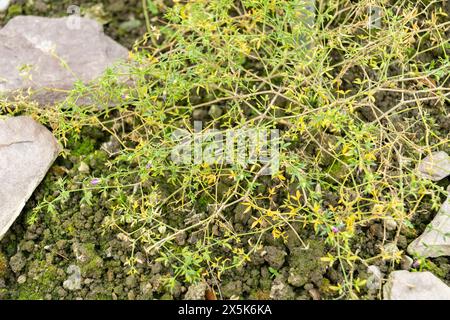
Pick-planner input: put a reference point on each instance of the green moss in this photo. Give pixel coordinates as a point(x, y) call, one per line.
point(166, 296)
point(93, 267)
point(14, 10)
point(44, 281)
point(306, 264)
point(11, 248)
point(260, 295)
point(90, 263)
point(84, 147)
point(433, 268)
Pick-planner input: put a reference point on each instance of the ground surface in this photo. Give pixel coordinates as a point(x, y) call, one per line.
point(34, 258)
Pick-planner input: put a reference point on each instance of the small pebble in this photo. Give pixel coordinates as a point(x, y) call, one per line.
point(406, 262)
point(390, 224)
point(375, 279)
point(83, 168)
point(22, 279)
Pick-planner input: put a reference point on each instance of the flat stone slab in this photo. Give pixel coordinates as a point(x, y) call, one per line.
point(48, 55)
point(435, 167)
point(435, 241)
point(27, 150)
point(405, 285)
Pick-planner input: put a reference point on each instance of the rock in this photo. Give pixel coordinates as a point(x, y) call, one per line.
point(4, 4)
point(17, 262)
point(435, 167)
point(27, 246)
point(375, 279)
point(274, 256)
point(280, 290)
point(435, 241)
point(315, 294)
point(146, 291)
point(83, 168)
point(130, 281)
point(391, 251)
point(196, 291)
point(22, 279)
point(73, 282)
point(42, 44)
point(112, 146)
point(406, 263)
point(90, 262)
point(405, 285)
point(27, 150)
point(390, 224)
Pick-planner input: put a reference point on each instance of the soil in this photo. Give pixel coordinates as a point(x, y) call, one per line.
point(37, 259)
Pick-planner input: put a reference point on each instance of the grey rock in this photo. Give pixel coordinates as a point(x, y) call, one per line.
point(73, 282)
point(90, 262)
point(47, 55)
point(27, 150)
point(390, 224)
point(375, 279)
point(22, 279)
point(280, 290)
point(391, 249)
point(406, 262)
point(435, 241)
point(17, 262)
point(131, 281)
point(146, 291)
point(83, 168)
point(112, 146)
point(435, 166)
point(196, 291)
point(131, 295)
point(405, 285)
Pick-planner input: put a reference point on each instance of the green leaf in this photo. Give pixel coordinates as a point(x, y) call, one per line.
point(152, 7)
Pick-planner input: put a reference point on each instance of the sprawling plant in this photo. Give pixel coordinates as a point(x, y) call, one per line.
point(352, 86)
